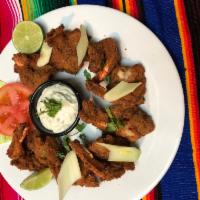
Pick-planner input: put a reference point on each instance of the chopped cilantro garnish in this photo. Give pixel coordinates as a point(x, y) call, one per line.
point(108, 79)
point(66, 141)
point(83, 137)
point(111, 127)
point(114, 123)
point(80, 127)
point(52, 107)
point(61, 155)
point(66, 148)
point(102, 63)
point(87, 75)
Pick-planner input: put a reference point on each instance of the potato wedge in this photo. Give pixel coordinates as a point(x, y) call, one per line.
point(69, 174)
point(82, 46)
point(45, 55)
point(120, 90)
point(121, 153)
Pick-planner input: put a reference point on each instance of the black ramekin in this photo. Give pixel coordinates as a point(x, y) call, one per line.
point(33, 108)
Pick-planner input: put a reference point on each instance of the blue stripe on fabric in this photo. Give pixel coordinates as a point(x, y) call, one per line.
point(179, 183)
point(94, 2)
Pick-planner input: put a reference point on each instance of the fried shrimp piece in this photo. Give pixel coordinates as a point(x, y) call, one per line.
point(15, 149)
point(20, 155)
point(94, 115)
point(22, 60)
point(123, 111)
point(99, 151)
point(95, 87)
point(103, 56)
point(131, 74)
point(139, 124)
point(88, 178)
point(31, 75)
point(103, 170)
point(28, 150)
point(45, 151)
point(64, 43)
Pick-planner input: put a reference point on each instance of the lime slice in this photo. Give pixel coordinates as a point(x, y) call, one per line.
point(37, 180)
point(27, 37)
point(4, 139)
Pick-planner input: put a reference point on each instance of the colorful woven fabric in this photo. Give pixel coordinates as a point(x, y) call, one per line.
point(177, 24)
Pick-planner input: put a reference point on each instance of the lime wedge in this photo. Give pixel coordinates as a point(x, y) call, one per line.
point(37, 180)
point(2, 83)
point(4, 139)
point(27, 37)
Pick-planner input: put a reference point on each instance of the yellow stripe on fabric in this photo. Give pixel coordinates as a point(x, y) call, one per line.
point(73, 2)
point(180, 22)
point(24, 9)
point(121, 7)
point(28, 8)
point(128, 8)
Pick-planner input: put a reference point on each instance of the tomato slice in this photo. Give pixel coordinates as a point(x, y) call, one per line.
point(8, 126)
point(5, 109)
point(14, 106)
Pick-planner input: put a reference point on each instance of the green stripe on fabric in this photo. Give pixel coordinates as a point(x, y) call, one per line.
point(72, 2)
point(37, 8)
point(28, 9)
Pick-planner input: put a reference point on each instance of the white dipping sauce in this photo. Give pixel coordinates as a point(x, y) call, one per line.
point(65, 117)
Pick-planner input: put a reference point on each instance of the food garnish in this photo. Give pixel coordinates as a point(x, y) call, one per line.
point(45, 55)
point(27, 37)
point(121, 153)
point(14, 106)
point(120, 90)
point(69, 174)
point(83, 138)
point(87, 75)
point(37, 180)
point(52, 107)
point(82, 46)
point(108, 79)
point(4, 138)
point(61, 155)
point(114, 123)
point(65, 142)
point(2, 83)
point(81, 126)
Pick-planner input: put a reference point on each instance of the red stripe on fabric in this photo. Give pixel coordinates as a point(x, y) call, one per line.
point(6, 24)
point(13, 10)
point(191, 87)
point(192, 79)
point(116, 4)
point(6, 191)
point(132, 8)
point(17, 12)
point(151, 195)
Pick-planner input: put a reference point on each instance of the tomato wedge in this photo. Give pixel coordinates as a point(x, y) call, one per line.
point(14, 106)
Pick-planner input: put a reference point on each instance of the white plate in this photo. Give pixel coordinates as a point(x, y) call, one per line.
point(164, 101)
